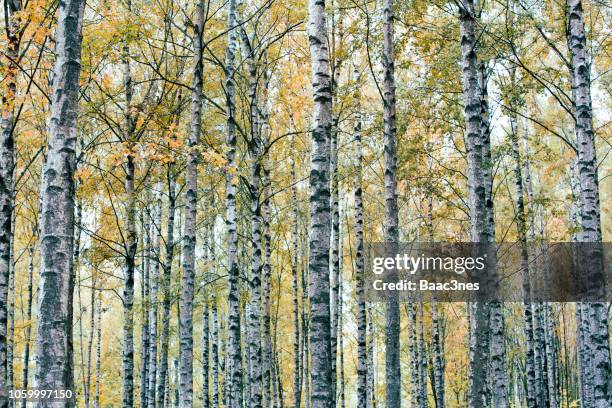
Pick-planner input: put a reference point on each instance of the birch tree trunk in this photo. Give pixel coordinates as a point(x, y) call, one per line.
point(319, 234)
point(54, 328)
point(540, 356)
point(267, 350)
point(189, 232)
point(522, 236)
point(497, 325)
point(28, 330)
point(589, 197)
point(371, 370)
point(362, 357)
point(414, 355)
point(98, 353)
point(215, 372)
point(144, 328)
point(92, 328)
point(551, 356)
point(154, 301)
point(423, 403)
point(10, 354)
point(131, 242)
point(438, 358)
point(7, 162)
point(437, 341)
point(305, 352)
point(255, 149)
point(205, 353)
point(584, 355)
point(391, 232)
point(214, 335)
point(297, 380)
point(162, 378)
point(341, 381)
point(341, 376)
point(235, 353)
point(335, 66)
point(477, 194)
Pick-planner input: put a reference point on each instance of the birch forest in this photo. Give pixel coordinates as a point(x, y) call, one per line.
point(188, 189)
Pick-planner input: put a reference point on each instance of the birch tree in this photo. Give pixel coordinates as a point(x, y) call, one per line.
point(319, 234)
point(234, 351)
point(189, 232)
point(391, 232)
point(7, 153)
point(589, 194)
point(54, 329)
point(359, 270)
point(480, 232)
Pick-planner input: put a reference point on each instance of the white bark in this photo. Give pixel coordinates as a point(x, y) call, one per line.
point(391, 233)
point(234, 373)
point(598, 338)
point(54, 327)
point(189, 231)
point(319, 233)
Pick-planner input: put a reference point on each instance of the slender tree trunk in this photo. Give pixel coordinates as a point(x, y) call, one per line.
point(28, 330)
point(305, 352)
point(320, 327)
point(268, 357)
point(176, 398)
point(437, 341)
point(371, 373)
point(76, 267)
point(235, 353)
point(267, 243)
point(205, 353)
point(362, 352)
point(7, 162)
point(487, 319)
point(585, 356)
point(438, 359)
point(54, 329)
point(499, 367)
point(341, 377)
point(189, 232)
point(423, 403)
point(551, 356)
point(598, 335)
point(522, 235)
point(335, 66)
point(255, 148)
point(162, 378)
point(92, 327)
point(154, 301)
point(540, 356)
point(297, 380)
point(414, 355)
point(215, 372)
point(144, 329)
point(98, 353)
point(128, 291)
point(214, 333)
point(131, 243)
point(391, 232)
point(10, 354)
